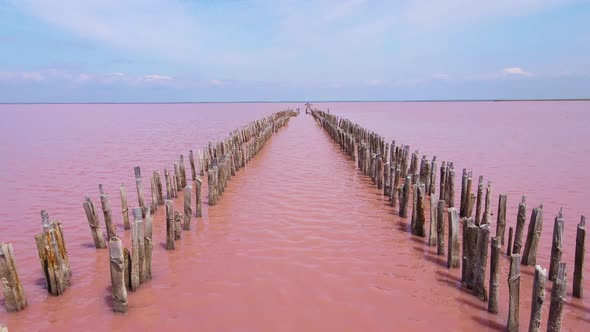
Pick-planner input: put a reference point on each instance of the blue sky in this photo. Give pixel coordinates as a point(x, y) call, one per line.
point(272, 50)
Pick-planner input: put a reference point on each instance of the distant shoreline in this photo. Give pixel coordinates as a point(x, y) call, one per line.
point(295, 101)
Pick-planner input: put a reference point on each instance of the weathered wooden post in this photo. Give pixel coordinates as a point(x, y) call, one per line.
point(478, 202)
point(199, 198)
point(538, 299)
point(509, 248)
point(433, 170)
point(188, 211)
point(94, 223)
point(160, 191)
point(450, 186)
point(494, 270)
point(117, 264)
point(154, 192)
point(487, 216)
point(443, 172)
point(394, 191)
point(440, 228)
point(177, 225)
point(124, 207)
point(514, 293)
point(453, 260)
point(191, 160)
point(53, 256)
point(405, 197)
point(14, 293)
point(578, 290)
point(107, 212)
point(470, 245)
point(136, 249)
point(469, 197)
point(182, 171)
point(529, 255)
point(433, 219)
point(177, 176)
point(211, 184)
point(420, 219)
point(558, 294)
point(520, 220)
point(501, 218)
point(139, 186)
point(481, 258)
point(463, 201)
point(379, 170)
point(556, 245)
point(168, 179)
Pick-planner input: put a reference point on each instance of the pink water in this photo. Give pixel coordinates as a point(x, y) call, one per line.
point(299, 240)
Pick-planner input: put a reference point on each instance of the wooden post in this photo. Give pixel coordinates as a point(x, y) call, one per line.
point(450, 187)
point(520, 220)
point(470, 204)
point(514, 293)
point(478, 203)
point(168, 180)
point(433, 218)
point(178, 176)
point(394, 191)
point(149, 248)
point(509, 248)
point(538, 299)
point(182, 172)
point(124, 207)
point(188, 211)
point(443, 172)
point(494, 270)
point(453, 260)
point(94, 223)
point(136, 254)
point(211, 185)
point(487, 216)
point(405, 197)
point(420, 213)
point(127, 267)
point(159, 188)
point(139, 186)
point(107, 212)
point(470, 245)
point(14, 294)
point(117, 260)
point(433, 170)
point(154, 192)
point(501, 218)
point(556, 245)
point(440, 228)
point(199, 198)
point(481, 258)
point(558, 294)
point(469, 197)
point(170, 227)
point(578, 290)
point(177, 225)
point(529, 255)
point(463, 201)
point(379, 170)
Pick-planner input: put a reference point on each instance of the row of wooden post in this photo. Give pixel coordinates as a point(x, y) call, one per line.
point(380, 160)
point(131, 268)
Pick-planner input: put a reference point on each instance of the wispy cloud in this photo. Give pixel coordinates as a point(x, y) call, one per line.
point(515, 71)
point(53, 76)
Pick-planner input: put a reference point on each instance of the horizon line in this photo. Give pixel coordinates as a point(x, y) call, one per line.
point(302, 101)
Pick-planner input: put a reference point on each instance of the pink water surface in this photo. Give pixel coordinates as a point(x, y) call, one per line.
point(299, 240)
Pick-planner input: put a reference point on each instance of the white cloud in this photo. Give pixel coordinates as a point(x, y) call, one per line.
point(517, 71)
point(54, 75)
